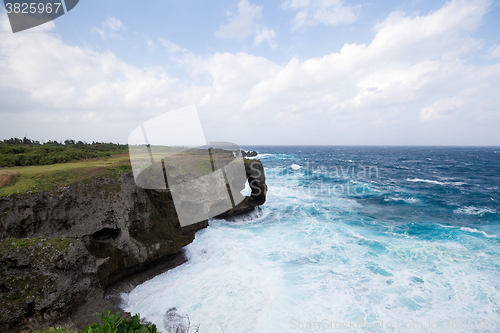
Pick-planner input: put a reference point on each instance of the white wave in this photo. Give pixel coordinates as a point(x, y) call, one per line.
point(259, 156)
point(445, 226)
point(471, 210)
point(435, 182)
point(295, 166)
point(418, 180)
point(407, 200)
point(257, 277)
point(478, 231)
point(254, 216)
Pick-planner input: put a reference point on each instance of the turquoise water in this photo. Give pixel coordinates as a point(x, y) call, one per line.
point(351, 239)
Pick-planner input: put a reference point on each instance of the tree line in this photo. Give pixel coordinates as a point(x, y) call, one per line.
point(24, 152)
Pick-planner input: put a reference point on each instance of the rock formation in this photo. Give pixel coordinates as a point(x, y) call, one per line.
point(249, 153)
point(44, 280)
point(124, 228)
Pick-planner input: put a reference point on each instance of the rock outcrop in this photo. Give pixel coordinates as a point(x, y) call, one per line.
point(249, 153)
point(43, 280)
point(124, 227)
point(116, 229)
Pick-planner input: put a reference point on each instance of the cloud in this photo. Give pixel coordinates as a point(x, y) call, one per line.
point(411, 84)
point(109, 28)
point(240, 25)
point(406, 56)
point(244, 24)
point(69, 85)
point(266, 35)
point(171, 47)
point(495, 52)
point(314, 12)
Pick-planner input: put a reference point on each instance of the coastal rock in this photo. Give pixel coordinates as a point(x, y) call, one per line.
point(43, 280)
point(124, 227)
point(249, 153)
point(113, 229)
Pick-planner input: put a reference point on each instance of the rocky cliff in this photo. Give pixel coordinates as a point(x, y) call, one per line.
point(124, 228)
point(43, 280)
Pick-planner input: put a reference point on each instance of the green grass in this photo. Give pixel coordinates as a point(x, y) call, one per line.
point(30, 179)
point(51, 177)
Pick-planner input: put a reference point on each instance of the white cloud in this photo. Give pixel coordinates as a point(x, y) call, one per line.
point(109, 28)
point(266, 35)
point(314, 12)
point(171, 47)
point(113, 23)
point(244, 24)
point(70, 85)
point(411, 83)
point(240, 25)
point(495, 52)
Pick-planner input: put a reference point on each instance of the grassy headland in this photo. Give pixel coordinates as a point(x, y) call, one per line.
point(49, 166)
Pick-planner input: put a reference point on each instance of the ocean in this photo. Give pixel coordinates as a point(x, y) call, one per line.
point(350, 239)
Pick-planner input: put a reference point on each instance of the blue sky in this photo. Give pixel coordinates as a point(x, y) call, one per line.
point(278, 72)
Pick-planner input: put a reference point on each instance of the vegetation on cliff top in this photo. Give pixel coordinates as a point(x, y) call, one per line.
point(28, 166)
point(25, 152)
point(26, 180)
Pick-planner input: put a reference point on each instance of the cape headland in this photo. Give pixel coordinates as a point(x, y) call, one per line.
point(60, 249)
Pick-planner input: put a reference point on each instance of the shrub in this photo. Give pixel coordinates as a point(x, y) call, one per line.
point(116, 324)
point(111, 324)
point(23, 152)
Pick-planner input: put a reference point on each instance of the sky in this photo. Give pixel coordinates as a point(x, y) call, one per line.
point(283, 72)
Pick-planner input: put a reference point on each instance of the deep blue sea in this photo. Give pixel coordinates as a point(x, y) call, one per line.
point(351, 239)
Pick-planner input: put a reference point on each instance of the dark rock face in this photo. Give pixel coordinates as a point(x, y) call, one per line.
point(42, 280)
point(124, 227)
point(252, 153)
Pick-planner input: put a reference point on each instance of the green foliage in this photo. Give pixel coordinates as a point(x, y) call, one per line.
point(116, 324)
point(56, 330)
point(17, 152)
point(112, 324)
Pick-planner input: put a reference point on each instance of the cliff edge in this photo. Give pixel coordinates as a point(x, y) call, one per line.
point(121, 228)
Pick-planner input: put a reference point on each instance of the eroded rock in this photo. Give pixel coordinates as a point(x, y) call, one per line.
point(43, 280)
